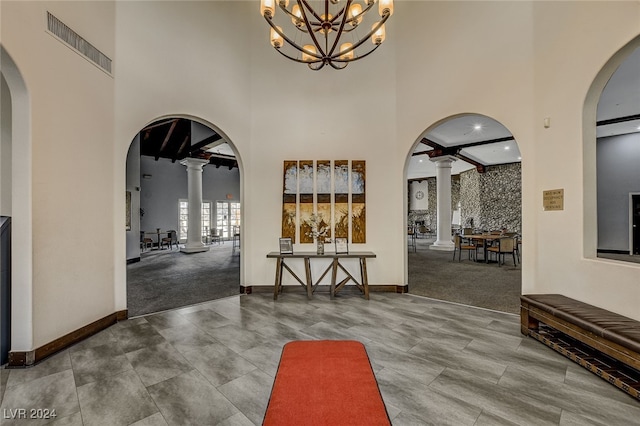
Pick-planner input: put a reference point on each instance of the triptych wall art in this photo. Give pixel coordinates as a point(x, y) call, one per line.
point(324, 199)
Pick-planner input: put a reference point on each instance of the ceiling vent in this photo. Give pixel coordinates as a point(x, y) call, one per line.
point(77, 43)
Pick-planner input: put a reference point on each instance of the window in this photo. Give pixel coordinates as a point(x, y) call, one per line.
point(183, 218)
point(227, 216)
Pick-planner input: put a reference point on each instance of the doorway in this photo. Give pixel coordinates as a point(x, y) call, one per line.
point(163, 276)
point(484, 193)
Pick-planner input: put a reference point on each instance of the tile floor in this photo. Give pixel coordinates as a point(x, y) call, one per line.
point(213, 364)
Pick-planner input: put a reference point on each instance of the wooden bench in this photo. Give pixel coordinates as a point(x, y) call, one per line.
point(606, 343)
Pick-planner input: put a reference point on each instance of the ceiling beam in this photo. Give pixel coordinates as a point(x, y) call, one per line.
point(486, 142)
point(421, 153)
point(618, 120)
point(183, 145)
point(159, 124)
point(211, 139)
point(481, 168)
point(166, 139)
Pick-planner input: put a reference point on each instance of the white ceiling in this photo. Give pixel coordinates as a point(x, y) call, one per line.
point(620, 98)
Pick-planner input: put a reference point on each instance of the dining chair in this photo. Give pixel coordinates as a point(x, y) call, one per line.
point(215, 236)
point(145, 242)
point(170, 240)
point(411, 235)
point(460, 244)
point(505, 246)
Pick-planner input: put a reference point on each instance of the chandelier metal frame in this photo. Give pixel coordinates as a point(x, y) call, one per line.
point(319, 26)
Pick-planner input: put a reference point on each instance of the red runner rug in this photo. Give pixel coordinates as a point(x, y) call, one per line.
point(325, 382)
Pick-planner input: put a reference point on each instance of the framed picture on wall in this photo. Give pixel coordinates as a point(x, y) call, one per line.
point(286, 246)
point(342, 246)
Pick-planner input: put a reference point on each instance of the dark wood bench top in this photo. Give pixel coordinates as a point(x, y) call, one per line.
point(611, 326)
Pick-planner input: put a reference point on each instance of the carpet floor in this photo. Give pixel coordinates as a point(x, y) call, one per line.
point(435, 274)
point(169, 279)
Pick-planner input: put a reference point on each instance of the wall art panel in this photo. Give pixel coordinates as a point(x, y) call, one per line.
point(341, 198)
point(289, 199)
point(305, 176)
point(323, 192)
point(358, 204)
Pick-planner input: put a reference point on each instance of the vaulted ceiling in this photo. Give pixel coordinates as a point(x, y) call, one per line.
point(178, 138)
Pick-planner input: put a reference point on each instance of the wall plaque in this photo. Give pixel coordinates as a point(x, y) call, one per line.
point(553, 199)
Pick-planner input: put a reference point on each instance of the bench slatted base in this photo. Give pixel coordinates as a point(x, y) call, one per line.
point(611, 370)
point(605, 343)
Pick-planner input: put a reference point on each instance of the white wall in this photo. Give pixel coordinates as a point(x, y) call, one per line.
point(516, 62)
point(571, 47)
point(5, 148)
point(71, 107)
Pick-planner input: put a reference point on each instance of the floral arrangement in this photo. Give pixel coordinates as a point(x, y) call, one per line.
point(318, 227)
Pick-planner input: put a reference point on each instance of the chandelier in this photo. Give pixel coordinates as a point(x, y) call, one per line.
point(328, 34)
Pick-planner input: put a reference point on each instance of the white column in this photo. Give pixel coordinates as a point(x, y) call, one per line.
point(443, 191)
point(194, 193)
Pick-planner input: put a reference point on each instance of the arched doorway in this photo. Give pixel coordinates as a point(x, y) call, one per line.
point(16, 194)
point(481, 159)
point(612, 155)
point(160, 180)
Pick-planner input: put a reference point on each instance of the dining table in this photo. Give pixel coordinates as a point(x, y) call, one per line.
point(485, 239)
point(157, 232)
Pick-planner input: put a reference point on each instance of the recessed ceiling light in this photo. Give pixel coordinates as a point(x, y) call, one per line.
point(477, 127)
point(519, 158)
point(420, 161)
point(506, 147)
point(638, 127)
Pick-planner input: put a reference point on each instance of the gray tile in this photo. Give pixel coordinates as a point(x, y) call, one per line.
point(72, 420)
point(581, 378)
point(266, 357)
point(52, 392)
point(166, 320)
point(55, 364)
point(218, 364)
point(422, 370)
point(97, 363)
point(186, 337)
point(598, 407)
point(471, 364)
point(138, 336)
point(238, 419)
point(251, 392)
point(153, 420)
point(237, 338)
point(488, 419)
point(157, 363)
point(206, 319)
point(508, 404)
point(189, 399)
point(569, 418)
point(104, 337)
point(116, 400)
point(280, 334)
point(417, 400)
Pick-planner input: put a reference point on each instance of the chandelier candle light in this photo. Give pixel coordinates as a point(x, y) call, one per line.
point(328, 33)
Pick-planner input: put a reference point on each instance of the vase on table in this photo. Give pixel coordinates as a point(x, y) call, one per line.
point(319, 246)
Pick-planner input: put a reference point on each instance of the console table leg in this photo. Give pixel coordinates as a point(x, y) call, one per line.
point(278, 282)
point(307, 270)
point(363, 275)
point(334, 274)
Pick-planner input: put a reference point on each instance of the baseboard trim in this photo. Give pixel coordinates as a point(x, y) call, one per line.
point(31, 358)
point(378, 288)
point(133, 260)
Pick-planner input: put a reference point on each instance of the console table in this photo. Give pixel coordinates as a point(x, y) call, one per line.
point(335, 264)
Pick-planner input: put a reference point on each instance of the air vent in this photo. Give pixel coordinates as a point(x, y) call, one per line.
point(82, 46)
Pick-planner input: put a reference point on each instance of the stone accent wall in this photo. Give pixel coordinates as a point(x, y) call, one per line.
point(491, 200)
point(471, 208)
